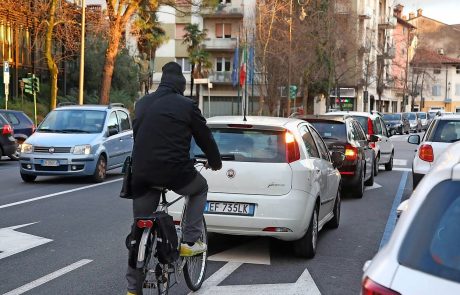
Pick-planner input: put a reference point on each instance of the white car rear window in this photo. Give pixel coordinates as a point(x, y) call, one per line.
point(445, 131)
point(432, 244)
point(248, 145)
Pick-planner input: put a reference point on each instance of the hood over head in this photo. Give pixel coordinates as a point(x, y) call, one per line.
point(173, 78)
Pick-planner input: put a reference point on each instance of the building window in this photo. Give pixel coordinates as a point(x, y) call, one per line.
point(437, 71)
point(436, 90)
point(180, 31)
point(225, 1)
point(223, 64)
point(223, 30)
point(457, 89)
point(458, 69)
point(184, 62)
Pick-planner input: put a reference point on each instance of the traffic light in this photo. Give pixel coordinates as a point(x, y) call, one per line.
point(292, 91)
point(35, 84)
point(27, 85)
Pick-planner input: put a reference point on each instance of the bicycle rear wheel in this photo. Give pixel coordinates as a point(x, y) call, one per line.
point(156, 279)
point(195, 266)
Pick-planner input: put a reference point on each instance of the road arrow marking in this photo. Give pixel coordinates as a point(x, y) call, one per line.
point(13, 242)
point(254, 252)
point(304, 285)
point(49, 277)
point(376, 185)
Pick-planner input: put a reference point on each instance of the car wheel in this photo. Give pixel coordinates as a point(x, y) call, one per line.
point(28, 177)
point(335, 221)
point(370, 181)
point(101, 169)
point(14, 156)
point(358, 191)
point(376, 166)
point(306, 246)
point(389, 165)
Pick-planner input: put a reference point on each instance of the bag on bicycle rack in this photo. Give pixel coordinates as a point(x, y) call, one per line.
point(126, 189)
point(167, 242)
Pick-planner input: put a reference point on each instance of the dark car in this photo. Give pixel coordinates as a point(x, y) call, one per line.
point(22, 125)
point(414, 121)
point(344, 134)
point(8, 144)
point(396, 123)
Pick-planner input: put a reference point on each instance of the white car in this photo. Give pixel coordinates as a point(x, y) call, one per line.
point(443, 131)
point(373, 124)
point(277, 180)
point(423, 254)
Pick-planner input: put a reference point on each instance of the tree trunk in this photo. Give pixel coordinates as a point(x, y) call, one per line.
point(109, 64)
point(52, 67)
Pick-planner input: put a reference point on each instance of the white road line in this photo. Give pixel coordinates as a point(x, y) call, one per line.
point(402, 169)
point(217, 277)
point(399, 162)
point(59, 193)
point(49, 277)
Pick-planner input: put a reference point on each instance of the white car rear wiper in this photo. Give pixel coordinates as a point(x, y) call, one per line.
point(225, 157)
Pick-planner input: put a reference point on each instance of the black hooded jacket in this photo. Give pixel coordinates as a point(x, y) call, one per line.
point(164, 124)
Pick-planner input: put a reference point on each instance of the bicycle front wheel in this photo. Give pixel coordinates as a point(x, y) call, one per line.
point(195, 266)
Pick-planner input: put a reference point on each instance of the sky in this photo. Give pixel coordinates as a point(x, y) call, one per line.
point(446, 11)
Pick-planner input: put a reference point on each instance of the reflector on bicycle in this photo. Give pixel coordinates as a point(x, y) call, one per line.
point(144, 223)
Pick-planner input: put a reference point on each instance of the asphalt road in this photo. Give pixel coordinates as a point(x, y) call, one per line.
point(75, 233)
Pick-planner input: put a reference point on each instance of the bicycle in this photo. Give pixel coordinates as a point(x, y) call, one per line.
point(157, 275)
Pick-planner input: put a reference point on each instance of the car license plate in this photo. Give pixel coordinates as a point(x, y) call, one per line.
point(229, 208)
point(50, 163)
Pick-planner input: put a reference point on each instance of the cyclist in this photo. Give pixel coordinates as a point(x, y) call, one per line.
point(164, 124)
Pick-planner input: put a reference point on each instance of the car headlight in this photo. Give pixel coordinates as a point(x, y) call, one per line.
point(27, 148)
point(84, 149)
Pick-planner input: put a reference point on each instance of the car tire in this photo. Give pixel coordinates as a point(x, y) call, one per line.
point(306, 246)
point(358, 190)
point(389, 165)
point(335, 221)
point(370, 181)
point(28, 178)
point(101, 170)
point(376, 166)
point(14, 157)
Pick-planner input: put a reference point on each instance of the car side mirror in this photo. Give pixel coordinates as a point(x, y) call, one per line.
point(414, 139)
point(337, 159)
point(373, 138)
point(112, 131)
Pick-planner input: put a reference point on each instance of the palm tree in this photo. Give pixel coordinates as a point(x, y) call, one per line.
point(201, 59)
point(194, 38)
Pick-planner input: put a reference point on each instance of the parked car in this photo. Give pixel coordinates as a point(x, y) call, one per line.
point(8, 144)
point(78, 141)
point(373, 125)
point(396, 123)
point(414, 122)
point(442, 132)
point(422, 256)
point(22, 125)
point(277, 180)
point(344, 134)
point(423, 120)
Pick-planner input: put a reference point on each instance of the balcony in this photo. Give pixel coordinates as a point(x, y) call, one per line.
point(387, 23)
point(223, 11)
point(220, 44)
point(221, 77)
point(365, 13)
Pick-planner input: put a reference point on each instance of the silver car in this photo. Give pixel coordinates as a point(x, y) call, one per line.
point(78, 141)
point(422, 256)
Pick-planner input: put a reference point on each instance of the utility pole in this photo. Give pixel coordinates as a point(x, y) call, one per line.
point(289, 63)
point(82, 52)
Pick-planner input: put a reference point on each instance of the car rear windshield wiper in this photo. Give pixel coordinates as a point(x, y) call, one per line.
point(74, 131)
point(455, 140)
point(225, 157)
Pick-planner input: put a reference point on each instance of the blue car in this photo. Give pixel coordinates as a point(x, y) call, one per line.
point(84, 140)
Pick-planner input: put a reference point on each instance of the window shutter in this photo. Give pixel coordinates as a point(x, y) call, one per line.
point(228, 30)
point(219, 30)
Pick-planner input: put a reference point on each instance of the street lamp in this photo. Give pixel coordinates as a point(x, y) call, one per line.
point(82, 52)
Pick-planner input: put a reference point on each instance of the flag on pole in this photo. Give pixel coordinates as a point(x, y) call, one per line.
point(251, 66)
point(244, 60)
point(235, 67)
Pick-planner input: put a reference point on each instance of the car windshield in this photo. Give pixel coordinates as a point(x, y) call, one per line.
point(432, 242)
point(446, 131)
point(73, 121)
point(247, 145)
point(411, 116)
point(362, 121)
point(331, 130)
point(422, 116)
point(391, 117)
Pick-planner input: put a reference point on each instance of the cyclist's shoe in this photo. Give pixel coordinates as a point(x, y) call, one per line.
point(198, 247)
point(130, 293)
